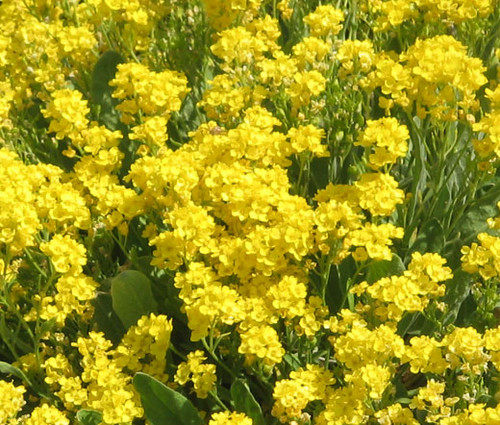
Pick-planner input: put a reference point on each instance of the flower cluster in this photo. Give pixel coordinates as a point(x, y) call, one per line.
point(292, 211)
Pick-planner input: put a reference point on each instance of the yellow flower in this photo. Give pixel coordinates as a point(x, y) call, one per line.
point(387, 138)
point(152, 93)
point(47, 415)
point(308, 138)
point(261, 342)
point(396, 414)
point(12, 400)
point(361, 346)
point(288, 297)
point(230, 418)
point(425, 355)
point(465, 345)
point(325, 20)
point(202, 375)
point(68, 111)
point(304, 86)
point(379, 193)
point(375, 377)
point(144, 347)
point(372, 241)
point(356, 55)
point(311, 51)
point(482, 258)
point(67, 255)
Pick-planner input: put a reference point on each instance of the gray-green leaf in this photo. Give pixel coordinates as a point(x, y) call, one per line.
point(163, 405)
point(89, 417)
point(132, 297)
point(12, 370)
point(245, 402)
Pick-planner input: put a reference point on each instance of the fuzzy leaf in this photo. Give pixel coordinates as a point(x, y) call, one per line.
point(163, 405)
point(245, 402)
point(132, 297)
point(89, 417)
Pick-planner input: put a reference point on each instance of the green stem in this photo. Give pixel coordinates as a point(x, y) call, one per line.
point(217, 360)
point(218, 400)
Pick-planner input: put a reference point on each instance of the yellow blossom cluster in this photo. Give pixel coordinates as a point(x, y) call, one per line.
point(434, 75)
point(35, 197)
point(304, 386)
point(355, 56)
point(388, 140)
point(410, 292)
point(151, 93)
point(482, 258)
point(233, 418)
point(268, 201)
point(104, 384)
point(255, 67)
point(202, 375)
point(143, 347)
point(222, 14)
point(392, 13)
point(13, 401)
point(487, 142)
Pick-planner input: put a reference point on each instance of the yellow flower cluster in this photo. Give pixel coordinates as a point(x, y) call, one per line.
point(388, 140)
point(227, 418)
point(67, 49)
point(147, 92)
point(410, 292)
point(487, 143)
point(68, 111)
point(35, 197)
point(355, 56)
point(222, 14)
point(482, 258)
point(370, 357)
point(104, 384)
point(325, 20)
point(13, 401)
point(143, 347)
point(304, 386)
point(263, 252)
point(261, 342)
point(46, 414)
point(202, 375)
point(392, 13)
point(255, 67)
point(134, 19)
point(435, 75)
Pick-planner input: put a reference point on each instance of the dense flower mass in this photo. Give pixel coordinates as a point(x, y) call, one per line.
point(249, 212)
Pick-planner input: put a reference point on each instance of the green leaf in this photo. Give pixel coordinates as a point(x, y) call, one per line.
point(107, 320)
point(319, 174)
point(468, 313)
point(430, 238)
point(12, 370)
point(292, 360)
point(132, 297)
point(245, 402)
point(89, 417)
point(163, 405)
point(443, 204)
point(338, 282)
point(46, 327)
point(457, 292)
point(379, 269)
point(104, 71)
point(100, 90)
point(474, 221)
